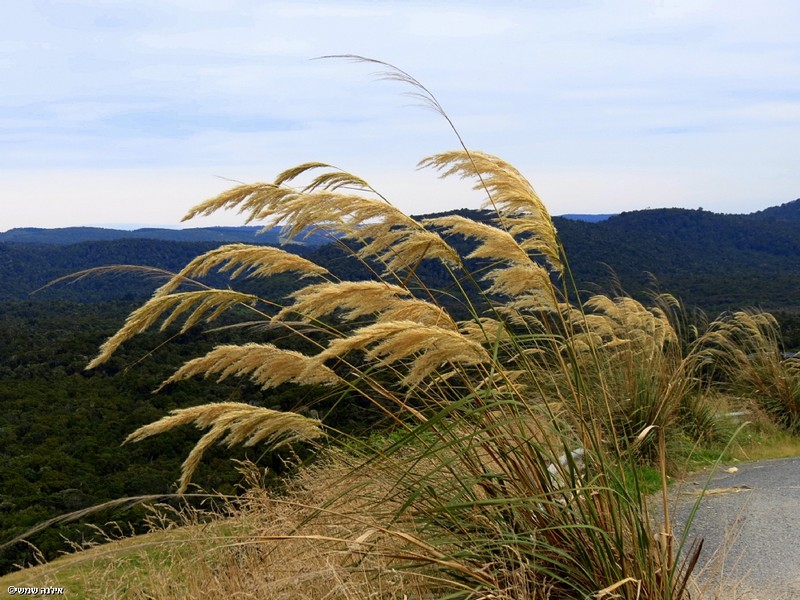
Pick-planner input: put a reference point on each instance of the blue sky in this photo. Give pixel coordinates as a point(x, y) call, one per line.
point(130, 112)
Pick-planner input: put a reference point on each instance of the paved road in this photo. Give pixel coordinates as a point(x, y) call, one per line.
point(752, 518)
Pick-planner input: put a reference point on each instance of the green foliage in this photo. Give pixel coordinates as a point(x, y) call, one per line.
point(716, 262)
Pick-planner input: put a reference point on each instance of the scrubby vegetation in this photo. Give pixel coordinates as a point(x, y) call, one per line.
point(517, 418)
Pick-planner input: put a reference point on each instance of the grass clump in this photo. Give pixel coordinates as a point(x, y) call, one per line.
point(522, 426)
point(747, 351)
point(522, 414)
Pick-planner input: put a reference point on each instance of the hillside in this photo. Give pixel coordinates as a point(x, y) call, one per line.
point(718, 262)
point(790, 211)
point(27, 267)
point(713, 261)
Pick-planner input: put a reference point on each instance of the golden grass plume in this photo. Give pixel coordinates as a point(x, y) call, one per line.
point(255, 261)
point(208, 304)
point(266, 365)
point(389, 342)
point(385, 232)
point(518, 205)
point(244, 424)
point(354, 298)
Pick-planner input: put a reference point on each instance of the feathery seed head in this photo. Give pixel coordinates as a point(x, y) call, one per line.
point(403, 248)
point(522, 276)
point(390, 342)
point(495, 243)
point(520, 316)
point(250, 198)
point(624, 319)
point(387, 233)
point(333, 179)
point(536, 299)
point(265, 364)
point(256, 261)
point(510, 194)
point(519, 281)
point(200, 303)
point(355, 298)
point(484, 330)
point(418, 311)
point(243, 424)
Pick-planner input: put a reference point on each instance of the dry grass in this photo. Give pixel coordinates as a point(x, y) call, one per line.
point(746, 349)
point(326, 538)
point(265, 364)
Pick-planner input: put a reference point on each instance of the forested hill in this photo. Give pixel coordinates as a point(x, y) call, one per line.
point(25, 268)
point(711, 260)
point(785, 212)
point(714, 261)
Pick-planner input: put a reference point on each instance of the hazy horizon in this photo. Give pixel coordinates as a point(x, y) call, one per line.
point(189, 225)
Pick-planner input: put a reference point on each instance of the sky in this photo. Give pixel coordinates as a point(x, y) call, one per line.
point(128, 113)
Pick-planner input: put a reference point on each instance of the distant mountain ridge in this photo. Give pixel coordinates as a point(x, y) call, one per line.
point(250, 234)
point(714, 261)
point(789, 211)
point(586, 217)
point(76, 235)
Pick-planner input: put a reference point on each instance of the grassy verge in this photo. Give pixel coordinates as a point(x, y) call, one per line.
point(125, 564)
point(760, 439)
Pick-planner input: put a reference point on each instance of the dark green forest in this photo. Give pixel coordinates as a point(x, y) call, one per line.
point(61, 427)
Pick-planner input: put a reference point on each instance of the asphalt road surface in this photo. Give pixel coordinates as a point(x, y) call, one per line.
point(750, 520)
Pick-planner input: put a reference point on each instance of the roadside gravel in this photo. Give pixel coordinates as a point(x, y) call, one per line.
point(750, 520)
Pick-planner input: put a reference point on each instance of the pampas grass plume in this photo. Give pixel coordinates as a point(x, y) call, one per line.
point(244, 424)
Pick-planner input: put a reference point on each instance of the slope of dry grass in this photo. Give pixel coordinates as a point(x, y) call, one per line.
point(263, 546)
